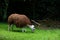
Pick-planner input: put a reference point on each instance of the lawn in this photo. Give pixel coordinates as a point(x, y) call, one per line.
point(50, 34)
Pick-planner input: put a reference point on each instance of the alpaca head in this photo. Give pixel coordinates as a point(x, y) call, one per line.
point(32, 27)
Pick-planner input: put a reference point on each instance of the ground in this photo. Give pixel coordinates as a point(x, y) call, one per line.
point(39, 34)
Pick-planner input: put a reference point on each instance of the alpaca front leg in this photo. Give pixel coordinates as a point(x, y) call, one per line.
point(8, 27)
point(23, 30)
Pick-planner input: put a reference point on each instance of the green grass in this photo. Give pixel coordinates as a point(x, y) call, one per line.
point(50, 34)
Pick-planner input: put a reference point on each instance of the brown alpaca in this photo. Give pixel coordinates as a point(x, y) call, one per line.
point(20, 21)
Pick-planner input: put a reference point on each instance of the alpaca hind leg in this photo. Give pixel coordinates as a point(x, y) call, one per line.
point(12, 27)
point(9, 27)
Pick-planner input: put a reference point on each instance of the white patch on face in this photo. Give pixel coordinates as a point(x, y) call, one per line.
point(31, 26)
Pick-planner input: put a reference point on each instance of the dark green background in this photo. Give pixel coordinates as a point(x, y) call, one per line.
point(34, 9)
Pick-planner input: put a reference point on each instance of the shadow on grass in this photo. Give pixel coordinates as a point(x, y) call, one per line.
point(3, 37)
point(21, 31)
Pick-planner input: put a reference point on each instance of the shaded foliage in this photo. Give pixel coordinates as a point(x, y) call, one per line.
point(46, 8)
point(34, 9)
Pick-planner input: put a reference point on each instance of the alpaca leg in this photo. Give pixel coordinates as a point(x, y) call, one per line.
point(23, 30)
point(8, 27)
point(12, 27)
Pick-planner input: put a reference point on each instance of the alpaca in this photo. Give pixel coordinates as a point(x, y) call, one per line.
point(20, 21)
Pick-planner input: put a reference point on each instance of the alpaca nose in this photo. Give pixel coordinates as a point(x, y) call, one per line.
point(33, 29)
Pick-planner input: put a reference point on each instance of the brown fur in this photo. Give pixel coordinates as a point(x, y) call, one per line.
point(18, 20)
